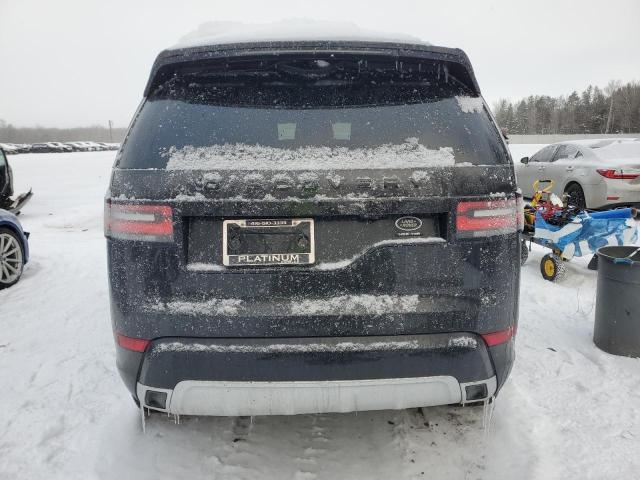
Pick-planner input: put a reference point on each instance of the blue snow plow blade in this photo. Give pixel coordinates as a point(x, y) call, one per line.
point(588, 231)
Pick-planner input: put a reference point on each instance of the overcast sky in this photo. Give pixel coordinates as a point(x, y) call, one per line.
point(70, 63)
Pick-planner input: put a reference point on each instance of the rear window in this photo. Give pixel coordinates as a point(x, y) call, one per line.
point(279, 108)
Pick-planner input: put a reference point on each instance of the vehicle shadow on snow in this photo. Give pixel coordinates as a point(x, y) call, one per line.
point(438, 442)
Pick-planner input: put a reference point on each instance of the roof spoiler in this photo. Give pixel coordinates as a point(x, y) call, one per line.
point(168, 60)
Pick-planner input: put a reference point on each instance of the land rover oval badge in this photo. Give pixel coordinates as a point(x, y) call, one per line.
point(408, 224)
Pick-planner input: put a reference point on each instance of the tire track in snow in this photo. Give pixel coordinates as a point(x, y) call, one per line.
point(308, 463)
point(300, 437)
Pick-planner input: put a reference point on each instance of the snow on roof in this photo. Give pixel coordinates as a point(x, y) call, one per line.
point(470, 104)
point(620, 150)
point(611, 148)
point(298, 29)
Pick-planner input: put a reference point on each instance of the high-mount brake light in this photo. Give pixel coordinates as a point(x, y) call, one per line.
point(484, 218)
point(148, 223)
point(618, 174)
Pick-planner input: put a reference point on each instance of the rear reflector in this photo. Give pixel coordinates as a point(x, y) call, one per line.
point(497, 338)
point(150, 223)
point(133, 344)
point(618, 174)
point(488, 217)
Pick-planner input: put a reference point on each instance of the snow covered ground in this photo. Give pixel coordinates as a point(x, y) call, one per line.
point(568, 411)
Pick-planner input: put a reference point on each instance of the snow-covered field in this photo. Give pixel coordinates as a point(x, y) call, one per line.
point(568, 411)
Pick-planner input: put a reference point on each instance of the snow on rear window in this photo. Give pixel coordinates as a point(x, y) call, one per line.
point(409, 154)
point(192, 130)
point(470, 104)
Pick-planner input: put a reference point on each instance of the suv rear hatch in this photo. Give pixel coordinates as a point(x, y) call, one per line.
point(388, 156)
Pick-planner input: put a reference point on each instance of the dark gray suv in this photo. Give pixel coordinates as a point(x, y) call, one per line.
point(298, 227)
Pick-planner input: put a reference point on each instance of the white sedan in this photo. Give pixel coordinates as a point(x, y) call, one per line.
point(594, 173)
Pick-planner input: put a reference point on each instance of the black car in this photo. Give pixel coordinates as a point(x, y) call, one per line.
point(326, 227)
point(77, 146)
point(43, 148)
point(6, 180)
point(13, 205)
point(60, 147)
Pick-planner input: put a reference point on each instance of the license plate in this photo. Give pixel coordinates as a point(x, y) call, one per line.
point(280, 241)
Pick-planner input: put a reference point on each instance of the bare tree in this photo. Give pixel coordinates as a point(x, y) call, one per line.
point(610, 90)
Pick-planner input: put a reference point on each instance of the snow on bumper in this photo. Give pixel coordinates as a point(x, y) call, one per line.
point(218, 398)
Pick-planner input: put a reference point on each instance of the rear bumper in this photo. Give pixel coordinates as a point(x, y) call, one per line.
point(618, 193)
point(314, 375)
point(192, 397)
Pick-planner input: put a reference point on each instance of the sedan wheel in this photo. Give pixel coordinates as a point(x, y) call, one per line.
point(576, 196)
point(11, 259)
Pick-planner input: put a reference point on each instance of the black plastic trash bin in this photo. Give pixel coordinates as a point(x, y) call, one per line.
point(617, 326)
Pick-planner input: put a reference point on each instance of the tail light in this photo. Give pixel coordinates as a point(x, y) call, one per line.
point(133, 344)
point(618, 174)
point(149, 223)
point(496, 338)
point(488, 217)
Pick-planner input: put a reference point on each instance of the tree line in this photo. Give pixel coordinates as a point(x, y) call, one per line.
point(614, 109)
point(96, 133)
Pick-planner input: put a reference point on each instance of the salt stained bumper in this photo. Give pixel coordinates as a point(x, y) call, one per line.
point(192, 397)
